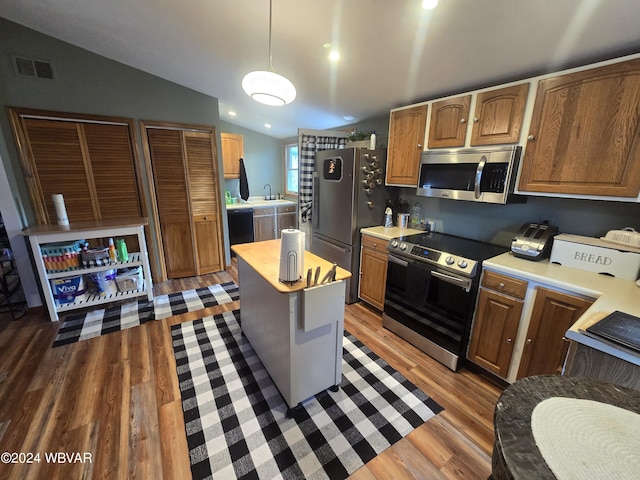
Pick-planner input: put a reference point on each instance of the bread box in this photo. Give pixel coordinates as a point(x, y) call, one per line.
point(596, 255)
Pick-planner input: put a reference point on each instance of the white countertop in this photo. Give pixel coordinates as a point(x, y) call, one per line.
point(260, 204)
point(611, 294)
point(388, 233)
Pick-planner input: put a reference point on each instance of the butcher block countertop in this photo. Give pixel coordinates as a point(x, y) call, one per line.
point(387, 233)
point(264, 258)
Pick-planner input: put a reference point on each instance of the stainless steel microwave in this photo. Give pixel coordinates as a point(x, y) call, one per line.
point(478, 175)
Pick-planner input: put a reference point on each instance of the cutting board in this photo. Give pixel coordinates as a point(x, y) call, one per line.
point(620, 328)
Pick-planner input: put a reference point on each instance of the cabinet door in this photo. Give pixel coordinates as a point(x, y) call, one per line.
point(373, 273)
point(449, 122)
point(585, 134)
point(498, 115)
point(546, 346)
point(232, 150)
point(286, 220)
point(494, 331)
point(264, 228)
point(406, 135)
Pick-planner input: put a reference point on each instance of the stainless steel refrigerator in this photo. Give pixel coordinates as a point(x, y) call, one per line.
point(348, 194)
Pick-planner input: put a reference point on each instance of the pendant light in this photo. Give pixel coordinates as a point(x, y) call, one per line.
point(266, 86)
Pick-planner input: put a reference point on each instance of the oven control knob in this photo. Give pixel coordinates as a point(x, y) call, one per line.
point(450, 260)
point(403, 246)
point(462, 264)
point(394, 243)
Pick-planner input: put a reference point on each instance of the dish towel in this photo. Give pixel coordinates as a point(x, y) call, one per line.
point(244, 185)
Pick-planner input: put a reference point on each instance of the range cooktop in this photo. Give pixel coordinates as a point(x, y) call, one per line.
point(459, 254)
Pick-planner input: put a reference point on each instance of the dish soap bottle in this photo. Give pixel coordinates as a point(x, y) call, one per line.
point(388, 218)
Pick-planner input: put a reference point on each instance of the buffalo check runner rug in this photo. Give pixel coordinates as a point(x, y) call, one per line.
point(236, 421)
point(120, 317)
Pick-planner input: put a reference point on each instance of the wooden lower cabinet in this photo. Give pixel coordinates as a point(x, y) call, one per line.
point(545, 347)
point(373, 271)
point(497, 318)
point(268, 222)
point(263, 224)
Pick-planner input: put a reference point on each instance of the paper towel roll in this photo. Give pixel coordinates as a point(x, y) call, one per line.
point(291, 256)
point(61, 211)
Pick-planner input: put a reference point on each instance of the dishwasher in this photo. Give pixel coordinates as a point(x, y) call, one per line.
point(240, 225)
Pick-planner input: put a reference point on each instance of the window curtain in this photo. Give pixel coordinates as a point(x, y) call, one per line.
point(308, 145)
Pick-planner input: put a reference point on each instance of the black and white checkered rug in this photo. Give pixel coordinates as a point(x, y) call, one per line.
point(236, 419)
point(120, 317)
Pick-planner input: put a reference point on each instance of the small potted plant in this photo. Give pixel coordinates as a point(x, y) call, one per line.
point(359, 139)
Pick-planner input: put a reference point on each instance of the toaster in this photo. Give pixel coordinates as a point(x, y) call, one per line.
point(533, 241)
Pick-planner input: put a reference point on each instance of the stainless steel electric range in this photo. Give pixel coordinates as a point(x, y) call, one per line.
point(432, 282)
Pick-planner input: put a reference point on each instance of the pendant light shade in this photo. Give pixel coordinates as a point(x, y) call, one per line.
point(266, 86)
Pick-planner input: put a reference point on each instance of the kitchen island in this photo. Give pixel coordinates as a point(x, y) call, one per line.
point(295, 330)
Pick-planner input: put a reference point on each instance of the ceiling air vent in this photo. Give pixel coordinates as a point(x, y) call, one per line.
point(28, 67)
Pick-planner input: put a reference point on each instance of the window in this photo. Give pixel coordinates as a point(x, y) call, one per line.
point(291, 168)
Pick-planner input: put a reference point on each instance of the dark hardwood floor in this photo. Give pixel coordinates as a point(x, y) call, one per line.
point(116, 398)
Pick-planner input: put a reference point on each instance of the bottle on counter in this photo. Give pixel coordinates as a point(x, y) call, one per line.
point(112, 251)
point(388, 218)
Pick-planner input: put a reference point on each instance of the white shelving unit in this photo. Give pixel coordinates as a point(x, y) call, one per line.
point(44, 234)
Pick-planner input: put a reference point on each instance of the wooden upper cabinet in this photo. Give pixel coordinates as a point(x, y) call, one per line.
point(498, 115)
point(585, 134)
point(406, 137)
point(546, 347)
point(449, 122)
point(232, 150)
point(89, 159)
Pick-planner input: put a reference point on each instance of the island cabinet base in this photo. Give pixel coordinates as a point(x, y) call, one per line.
point(297, 335)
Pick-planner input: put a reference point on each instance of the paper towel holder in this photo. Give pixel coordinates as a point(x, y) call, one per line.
point(291, 257)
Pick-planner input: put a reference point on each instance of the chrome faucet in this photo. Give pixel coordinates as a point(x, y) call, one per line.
point(267, 197)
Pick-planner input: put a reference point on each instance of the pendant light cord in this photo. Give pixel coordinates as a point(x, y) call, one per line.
point(270, 10)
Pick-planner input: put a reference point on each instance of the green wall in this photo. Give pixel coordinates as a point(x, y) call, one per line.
point(87, 83)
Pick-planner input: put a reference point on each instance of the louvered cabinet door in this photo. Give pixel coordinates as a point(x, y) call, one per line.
point(114, 175)
point(165, 149)
point(57, 164)
point(204, 200)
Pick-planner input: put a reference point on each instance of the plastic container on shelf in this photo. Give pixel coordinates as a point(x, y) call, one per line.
point(67, 290)
point(61, 256)
point(121, 250)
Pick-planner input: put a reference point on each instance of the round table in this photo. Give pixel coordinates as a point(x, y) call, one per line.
point(515, 454)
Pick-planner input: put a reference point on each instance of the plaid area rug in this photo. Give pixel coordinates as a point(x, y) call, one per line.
point(120, 317)
point(236, 419)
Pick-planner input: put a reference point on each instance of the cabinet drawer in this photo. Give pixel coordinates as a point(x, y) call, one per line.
point(504, 284)
point(376, 243)
point(287, 209)
point(263, 211)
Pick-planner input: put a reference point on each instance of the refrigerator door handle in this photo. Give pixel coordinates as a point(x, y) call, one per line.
point(315, 203)
point(333, 246)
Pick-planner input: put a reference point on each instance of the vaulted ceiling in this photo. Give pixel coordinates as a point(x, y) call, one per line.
point(393, 52)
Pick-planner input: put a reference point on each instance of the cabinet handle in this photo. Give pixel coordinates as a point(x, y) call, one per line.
point(531, 138)
point(501, 285)
point(509, 340)
point(565, 339)
point(419, 145)
point(528, 341)
point(205, 218)
point(475, 119)
point(463, 120)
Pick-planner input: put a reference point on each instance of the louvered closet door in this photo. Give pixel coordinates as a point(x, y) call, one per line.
point(165, 148)
point(203, 192)
point(58, 165)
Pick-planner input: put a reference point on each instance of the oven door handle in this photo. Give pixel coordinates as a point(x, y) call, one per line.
point(462, 282)
point(478, 179)
point(394, 259)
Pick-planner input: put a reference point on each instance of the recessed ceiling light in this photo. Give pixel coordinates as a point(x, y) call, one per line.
point(232, 114)
point(429, 4)
point(334, 55)
point(267, 125)
point(326, 45)
point(348, 118)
